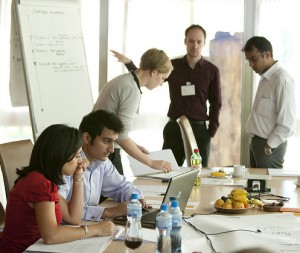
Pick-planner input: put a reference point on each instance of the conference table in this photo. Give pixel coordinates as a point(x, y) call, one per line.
point(205, 194)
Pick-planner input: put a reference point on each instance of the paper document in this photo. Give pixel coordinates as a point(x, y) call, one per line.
point(275, 232)
point(283, 173)
point(93, 244)
point(149, 235)
point(140, 169)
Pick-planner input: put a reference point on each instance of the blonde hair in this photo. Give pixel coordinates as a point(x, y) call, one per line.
point(155, 59)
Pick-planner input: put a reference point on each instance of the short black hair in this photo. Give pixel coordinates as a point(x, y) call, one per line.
point(261, 43)
point(56, 146)
point(195, 27)
point(94, 123)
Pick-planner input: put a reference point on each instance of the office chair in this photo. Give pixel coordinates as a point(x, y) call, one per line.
point(189, 140)
point(13, 155)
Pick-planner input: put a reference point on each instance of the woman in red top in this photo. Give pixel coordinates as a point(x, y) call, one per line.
point(35, 209)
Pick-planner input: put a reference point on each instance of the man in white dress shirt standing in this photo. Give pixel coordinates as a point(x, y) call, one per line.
point(273, 115)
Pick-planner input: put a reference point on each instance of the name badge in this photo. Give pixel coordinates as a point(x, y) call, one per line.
point(188, 90)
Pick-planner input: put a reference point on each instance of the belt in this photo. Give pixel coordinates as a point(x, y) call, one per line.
point(200, 122)
point(256, 136)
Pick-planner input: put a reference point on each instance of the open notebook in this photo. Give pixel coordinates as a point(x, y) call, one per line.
point(179, 186)
point(141, 170)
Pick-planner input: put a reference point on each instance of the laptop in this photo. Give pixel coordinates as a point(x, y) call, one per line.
point(179, 186)
point(141, 170)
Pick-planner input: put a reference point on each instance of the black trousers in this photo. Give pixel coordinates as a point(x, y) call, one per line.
point(115, 158)
point(173, 140)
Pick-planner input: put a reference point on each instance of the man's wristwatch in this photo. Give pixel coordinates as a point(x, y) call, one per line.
point(268, 151)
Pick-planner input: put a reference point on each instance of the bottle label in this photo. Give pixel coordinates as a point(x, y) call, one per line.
point(177, 222)
point(164, 224)
point(133, 212)
point(196, 164)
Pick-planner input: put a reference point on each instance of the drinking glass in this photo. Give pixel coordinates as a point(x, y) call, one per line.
point(133, 235)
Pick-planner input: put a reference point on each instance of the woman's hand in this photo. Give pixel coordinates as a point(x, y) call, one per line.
point(81, 168)
point(104, 228)
point(165, 166)
point(121, 57)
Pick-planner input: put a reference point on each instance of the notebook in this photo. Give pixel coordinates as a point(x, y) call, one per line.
point(179, 186)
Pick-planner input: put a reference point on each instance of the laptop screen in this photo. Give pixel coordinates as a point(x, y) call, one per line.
point(180, 187)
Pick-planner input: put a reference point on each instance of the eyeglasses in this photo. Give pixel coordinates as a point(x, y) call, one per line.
point(254, 58)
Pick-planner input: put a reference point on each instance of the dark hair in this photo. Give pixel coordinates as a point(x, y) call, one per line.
point(56, 145)
point(96, 121)
point(195, 27)
point(261, 43)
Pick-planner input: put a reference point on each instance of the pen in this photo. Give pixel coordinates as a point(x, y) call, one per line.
point(112, 237)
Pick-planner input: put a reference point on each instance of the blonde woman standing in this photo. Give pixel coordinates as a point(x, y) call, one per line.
point(122, 96)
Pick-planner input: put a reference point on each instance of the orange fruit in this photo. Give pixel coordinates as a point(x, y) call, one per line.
point(238, 204)
point(219, 202)
point(227, 206)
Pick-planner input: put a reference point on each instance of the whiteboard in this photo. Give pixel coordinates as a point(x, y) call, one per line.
point(54, 59)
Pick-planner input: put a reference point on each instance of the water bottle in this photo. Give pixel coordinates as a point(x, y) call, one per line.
point(196, 163)
point(176, 227)
point(134, 208)
point(133, 230)
point(163, 228)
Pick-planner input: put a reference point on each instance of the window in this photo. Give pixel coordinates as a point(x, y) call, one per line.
point(137, 25)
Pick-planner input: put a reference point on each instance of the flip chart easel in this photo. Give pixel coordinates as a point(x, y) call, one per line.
point(54, 60)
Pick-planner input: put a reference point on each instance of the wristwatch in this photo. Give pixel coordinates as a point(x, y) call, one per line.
point(268, 151)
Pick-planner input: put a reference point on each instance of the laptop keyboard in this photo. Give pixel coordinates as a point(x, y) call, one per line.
point(149, 217)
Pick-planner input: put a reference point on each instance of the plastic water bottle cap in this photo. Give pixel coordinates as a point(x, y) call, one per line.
point(172, 198)
point(174, 203)
point(164, 207)
point(196, 150)
point(134, 196)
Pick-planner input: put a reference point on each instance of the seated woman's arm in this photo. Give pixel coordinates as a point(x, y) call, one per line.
point(72, 210)
point(53, 233)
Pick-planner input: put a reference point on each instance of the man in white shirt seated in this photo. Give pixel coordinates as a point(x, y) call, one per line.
point(99, 132)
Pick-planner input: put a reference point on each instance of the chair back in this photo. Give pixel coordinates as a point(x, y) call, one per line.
point(2, 215)
point(189, 140)
point(14, 155)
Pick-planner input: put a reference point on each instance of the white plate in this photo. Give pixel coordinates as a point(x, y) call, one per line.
point(228, 176)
